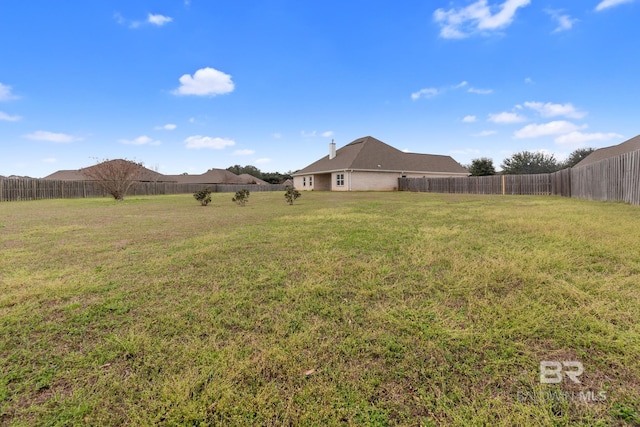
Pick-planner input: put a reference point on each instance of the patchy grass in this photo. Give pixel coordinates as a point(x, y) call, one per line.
point(361, 309)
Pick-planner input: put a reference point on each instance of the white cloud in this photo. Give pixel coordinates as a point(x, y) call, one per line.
point(564, 21)
point(579, 138)
point(262, 161)
point(311, 134)
point(469, 119)
point(216, 143)
point(506, 118)
point(277, 135)
point(7, 118)
point(5, 93)
point(50, 160)
point(121, 20)
point(245, 152)
point(485, 133)
point(478, 17)
point(192, 120)
point(528, 80)
point(558, 127)
point(205, 82)
point(168, 126)
point(141, 140)
point(555, 110)
point(480, 91)
point(424, 93)
point(461, 84)
point(605, 4)
point(327, 134)
point(42, 135)
point(158, 20)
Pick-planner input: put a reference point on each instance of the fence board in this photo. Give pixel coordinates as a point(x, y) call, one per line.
point(613, 179)
point(17, 189)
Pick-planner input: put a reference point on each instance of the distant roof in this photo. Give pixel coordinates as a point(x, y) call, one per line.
point(212, 176)
point(371, 154)
point(250, 179)
point(629, 145)
point(67, 175)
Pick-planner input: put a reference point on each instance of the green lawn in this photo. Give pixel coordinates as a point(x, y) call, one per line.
point(343, 309)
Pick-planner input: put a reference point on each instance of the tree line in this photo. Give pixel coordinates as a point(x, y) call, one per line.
point(270, 177)
point(527, 162)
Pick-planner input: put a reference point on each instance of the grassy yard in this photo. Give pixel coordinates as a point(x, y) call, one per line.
point(343, 309)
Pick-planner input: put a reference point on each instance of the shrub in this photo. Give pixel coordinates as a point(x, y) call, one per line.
point(241, 197)
point(291, 194)
point(203, 196)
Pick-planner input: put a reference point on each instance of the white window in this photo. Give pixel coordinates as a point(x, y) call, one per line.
point(340, 180)
point(304, 181)
point(310, 181)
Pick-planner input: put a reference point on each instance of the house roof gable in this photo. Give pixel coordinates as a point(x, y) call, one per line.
point(627, 146)
point(369, 153)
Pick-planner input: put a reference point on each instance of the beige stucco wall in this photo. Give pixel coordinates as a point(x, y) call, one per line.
point(358, 181)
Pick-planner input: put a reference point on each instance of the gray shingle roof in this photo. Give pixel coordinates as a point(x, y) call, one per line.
point(629, 145)
point(212, 176)
point(370, 154)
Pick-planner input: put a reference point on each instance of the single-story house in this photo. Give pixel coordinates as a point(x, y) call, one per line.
point(627, 146)
point(368, 164)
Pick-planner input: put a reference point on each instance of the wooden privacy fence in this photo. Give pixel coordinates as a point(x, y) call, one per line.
point(15, 189)
point(558, 183)
point(615, 179)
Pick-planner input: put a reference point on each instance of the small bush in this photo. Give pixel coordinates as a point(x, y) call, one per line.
point(291, 194)
point(203, 196)
point(241, 197)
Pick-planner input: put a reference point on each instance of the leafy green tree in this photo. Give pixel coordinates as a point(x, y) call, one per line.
point(270, 177)
point(528, 162)
point(250, 170)
point(291, 194)
point(203, 196)
point(481, 167)
point(577, 156)
point(242, 197)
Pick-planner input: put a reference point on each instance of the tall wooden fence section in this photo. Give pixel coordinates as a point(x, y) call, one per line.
point(558, 183)
point(616, 179)
point(15, 189)
point(613, 179)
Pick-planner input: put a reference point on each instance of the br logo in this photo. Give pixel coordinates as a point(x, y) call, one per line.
point(552, 372)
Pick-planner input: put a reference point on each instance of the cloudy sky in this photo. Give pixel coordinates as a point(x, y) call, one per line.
point(188, 85)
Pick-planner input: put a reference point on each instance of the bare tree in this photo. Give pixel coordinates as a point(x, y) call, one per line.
point(117, 176)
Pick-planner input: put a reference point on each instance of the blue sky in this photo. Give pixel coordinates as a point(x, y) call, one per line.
point(189, 85)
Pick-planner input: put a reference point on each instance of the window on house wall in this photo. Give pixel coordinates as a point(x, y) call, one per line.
point(340, 179)
point(304, 181)
point(310, 181)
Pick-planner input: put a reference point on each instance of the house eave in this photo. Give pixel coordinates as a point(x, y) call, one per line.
point(379, 170)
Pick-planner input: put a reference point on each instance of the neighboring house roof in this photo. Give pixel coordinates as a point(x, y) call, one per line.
point(371, 154)
point(212, 176)
point(250, 179)
point(67, 175)
point(144, 174)
point(629, 145)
